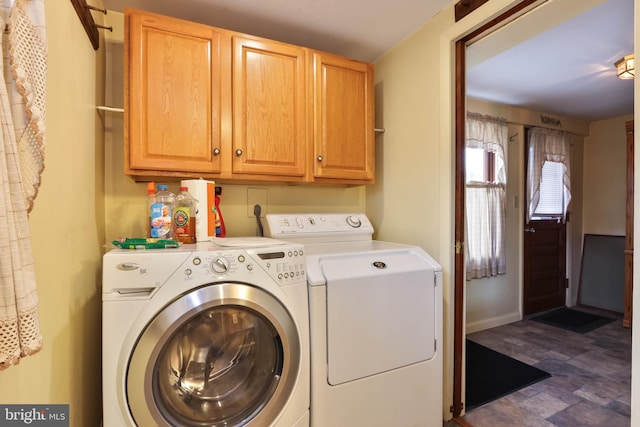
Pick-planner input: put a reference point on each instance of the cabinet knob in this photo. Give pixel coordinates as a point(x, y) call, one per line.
point(238, 152)
point(216, 151)
point(319, 158)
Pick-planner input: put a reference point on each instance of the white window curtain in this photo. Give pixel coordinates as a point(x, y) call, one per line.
point(485, 201)
point(22, 123)
point(547, 145)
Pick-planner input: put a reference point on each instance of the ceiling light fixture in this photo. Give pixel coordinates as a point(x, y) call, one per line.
point(626, 68)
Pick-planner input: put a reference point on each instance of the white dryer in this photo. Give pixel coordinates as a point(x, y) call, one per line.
point(206, 335)
point(375, 323)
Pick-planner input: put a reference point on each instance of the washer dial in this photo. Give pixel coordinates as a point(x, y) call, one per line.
point(220, 265)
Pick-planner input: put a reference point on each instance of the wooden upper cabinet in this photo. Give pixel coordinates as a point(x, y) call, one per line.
point(343, 119)
point(206, 102)
point(175, 94)
point(270, 125)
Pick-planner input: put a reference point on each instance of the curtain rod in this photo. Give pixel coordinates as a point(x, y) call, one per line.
point(84, 13)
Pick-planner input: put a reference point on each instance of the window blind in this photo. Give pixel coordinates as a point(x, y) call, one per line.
point(551, 190)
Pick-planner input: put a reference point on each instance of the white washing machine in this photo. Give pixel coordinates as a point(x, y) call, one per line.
point(206, 335)
point(375, 323)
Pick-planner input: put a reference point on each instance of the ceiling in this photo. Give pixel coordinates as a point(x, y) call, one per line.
point(558, 59)
point(360, 29)
point(549, 60)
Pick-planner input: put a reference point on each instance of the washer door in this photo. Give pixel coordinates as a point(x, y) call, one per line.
point(222, 355)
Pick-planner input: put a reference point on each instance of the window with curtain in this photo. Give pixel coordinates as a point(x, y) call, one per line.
point(485, 195)
point(548, 174)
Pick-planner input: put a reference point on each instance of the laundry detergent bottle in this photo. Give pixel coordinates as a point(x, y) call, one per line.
point(184, 217)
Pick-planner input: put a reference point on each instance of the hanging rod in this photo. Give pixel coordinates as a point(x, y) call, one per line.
point(110, 109)
point(84, 13)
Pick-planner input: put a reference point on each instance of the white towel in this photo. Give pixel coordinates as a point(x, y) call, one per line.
point(21, 163)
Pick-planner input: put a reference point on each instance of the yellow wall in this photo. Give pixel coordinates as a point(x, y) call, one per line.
point(605, 156)
point(67, 231)
point(412, 200)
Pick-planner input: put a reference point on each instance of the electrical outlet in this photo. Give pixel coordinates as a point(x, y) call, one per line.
point(256, 196)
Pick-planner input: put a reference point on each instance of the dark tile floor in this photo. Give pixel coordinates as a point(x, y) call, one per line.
point(590, 384)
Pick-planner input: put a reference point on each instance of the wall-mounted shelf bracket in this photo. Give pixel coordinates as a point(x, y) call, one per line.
point(84, 13)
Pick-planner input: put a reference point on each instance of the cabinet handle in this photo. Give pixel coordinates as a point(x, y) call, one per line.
point(238, 152)
point(319, 158)
point(216, 151)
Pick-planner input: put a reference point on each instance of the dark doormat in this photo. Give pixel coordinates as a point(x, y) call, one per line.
point(491, 375)
point(573, 320)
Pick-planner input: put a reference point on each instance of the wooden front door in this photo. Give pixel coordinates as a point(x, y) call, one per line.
point(544, 266)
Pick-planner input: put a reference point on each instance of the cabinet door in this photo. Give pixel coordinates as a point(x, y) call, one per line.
point(175, 95)
point(269, 128)
point(343, 119)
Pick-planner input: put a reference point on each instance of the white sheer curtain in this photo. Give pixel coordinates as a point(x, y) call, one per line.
point(485, 200)
point(22, 118)
point(547, 145)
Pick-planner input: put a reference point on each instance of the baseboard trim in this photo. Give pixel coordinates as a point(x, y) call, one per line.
point(493, 322)
point(461, 422)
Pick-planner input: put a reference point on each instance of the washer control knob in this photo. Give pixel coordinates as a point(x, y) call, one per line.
point(220, 265)
point(354, 221)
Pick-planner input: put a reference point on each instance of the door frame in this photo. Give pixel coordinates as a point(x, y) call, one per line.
point(459, 268)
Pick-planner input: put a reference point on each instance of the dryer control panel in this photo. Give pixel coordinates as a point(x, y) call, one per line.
point(318, 226)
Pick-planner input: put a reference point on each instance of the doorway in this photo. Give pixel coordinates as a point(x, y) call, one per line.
point(460, 285)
